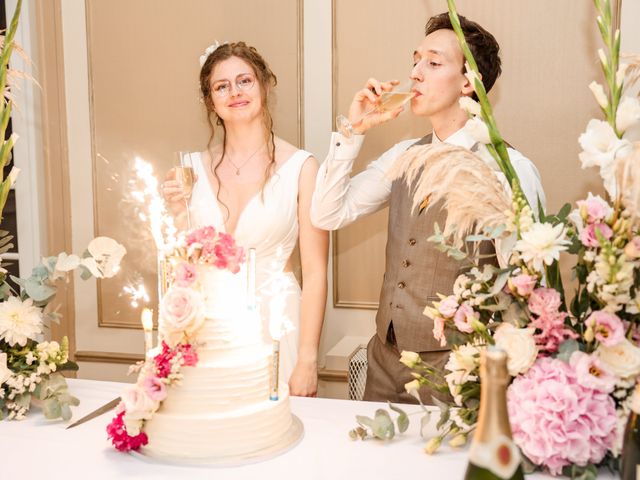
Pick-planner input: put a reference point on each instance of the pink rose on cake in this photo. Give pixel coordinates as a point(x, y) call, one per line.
point(185, 274)
point(181, 313)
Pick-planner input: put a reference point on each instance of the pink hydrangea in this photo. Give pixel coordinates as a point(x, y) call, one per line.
point(464, 317)
point(523, 284)
point(227, 254)
point(120, 439)
point(588, 235)
point(607, 327)
point(155, 388)
point(556, 420)
point(185, 274)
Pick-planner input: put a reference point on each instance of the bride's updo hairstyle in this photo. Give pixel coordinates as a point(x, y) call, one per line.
point(266, 80)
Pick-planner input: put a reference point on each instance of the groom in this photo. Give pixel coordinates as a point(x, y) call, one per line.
point(415, 271)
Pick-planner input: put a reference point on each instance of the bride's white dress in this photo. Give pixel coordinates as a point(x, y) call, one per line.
point(268, 223)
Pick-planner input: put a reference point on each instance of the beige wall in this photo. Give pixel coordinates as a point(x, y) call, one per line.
point(130, 89)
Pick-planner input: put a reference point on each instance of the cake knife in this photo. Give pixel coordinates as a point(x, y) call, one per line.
point(96, 413)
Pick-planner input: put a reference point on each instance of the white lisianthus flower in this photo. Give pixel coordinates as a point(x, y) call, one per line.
point(412, 388)
point(542, 244)
point(622, 359)
point(628, 113)
point(469, 105)
point(410, 359)
point(19, 321)
point(5, 373)
point(463, 361)
point(107, 253)
point(520, 346)
point(478, 130)
point(600, 146)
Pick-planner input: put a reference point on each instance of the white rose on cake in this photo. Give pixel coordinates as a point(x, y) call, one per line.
point(138, 406)
point(520, 347)
point(181, 312)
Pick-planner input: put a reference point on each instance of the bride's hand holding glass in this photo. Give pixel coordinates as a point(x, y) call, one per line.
point(377, 103)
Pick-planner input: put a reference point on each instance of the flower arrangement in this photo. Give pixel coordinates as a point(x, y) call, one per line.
point(182, 315)
point(141, 400)
point(29, 366)
point(574, 361)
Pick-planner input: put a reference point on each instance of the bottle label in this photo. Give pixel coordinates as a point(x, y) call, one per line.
point(500, 456)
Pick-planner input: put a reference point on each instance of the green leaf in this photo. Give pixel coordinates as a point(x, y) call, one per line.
point(403, 420)
point(383, 425)
point(566, 349)
point(65, 412)
point(38, 291)
point(52, 409)
point(564, 212)
point(424, 423)
point(364, 421)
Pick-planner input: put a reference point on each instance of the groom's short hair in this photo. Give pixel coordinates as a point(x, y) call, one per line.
point(483, 45)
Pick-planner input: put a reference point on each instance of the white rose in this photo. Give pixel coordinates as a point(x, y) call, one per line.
point(478, 130)
point(622, 359)
point(137, 404)
point(107, 253)
point(520, 347)
point(133, 425)
point(628, 113)
point(5, 373)
point(181, 311)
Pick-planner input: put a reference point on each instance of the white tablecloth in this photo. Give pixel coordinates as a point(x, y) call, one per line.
point(39, 449)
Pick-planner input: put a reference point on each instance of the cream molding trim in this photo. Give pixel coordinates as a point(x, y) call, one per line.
point(108, 357)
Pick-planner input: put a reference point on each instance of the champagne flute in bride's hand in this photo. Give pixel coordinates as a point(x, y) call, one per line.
point(388, 101)
point(186, 176)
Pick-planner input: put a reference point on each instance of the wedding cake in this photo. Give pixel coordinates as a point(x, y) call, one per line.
point(206, 393)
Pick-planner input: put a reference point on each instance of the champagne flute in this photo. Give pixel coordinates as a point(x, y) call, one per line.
point(388, 101)
point(186, 176)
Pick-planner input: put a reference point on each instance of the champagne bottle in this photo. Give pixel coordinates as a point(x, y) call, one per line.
point(493, 454)
point(630, 460)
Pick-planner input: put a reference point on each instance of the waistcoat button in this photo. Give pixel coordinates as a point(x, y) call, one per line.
point(412, 241)
point(405, 263)
point(401, 285)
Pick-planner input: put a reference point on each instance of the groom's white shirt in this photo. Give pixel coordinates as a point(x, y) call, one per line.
point(339, 199)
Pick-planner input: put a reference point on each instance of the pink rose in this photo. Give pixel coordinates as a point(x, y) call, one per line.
point(185, 274)
point(591, 373)
point(588, 235)
point(181, 312)
point(632, 250)
point(464, 317)
point(137, 404)
point(594, 209)
point(607, 327)
point(438, 331)
point(448, 306)
point(155, 388)
point(544, 300)
point(523, 284)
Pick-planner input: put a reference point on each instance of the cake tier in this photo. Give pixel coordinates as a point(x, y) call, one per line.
point(238, 433)
point(221, 385)
point(230, 337)
point(224, 293)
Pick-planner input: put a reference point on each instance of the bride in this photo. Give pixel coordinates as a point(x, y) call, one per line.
point(257, 187)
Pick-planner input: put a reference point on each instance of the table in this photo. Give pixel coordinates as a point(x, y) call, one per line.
point(41, 449)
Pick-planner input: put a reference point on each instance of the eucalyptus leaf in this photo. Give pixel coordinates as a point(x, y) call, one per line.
point(65, 412)
point(38, 291)
point(499, 283)
point(364, 421)
point(403, 419)
point(85, 273)
point(566, 349)
point(51, 408)
point(383, 425)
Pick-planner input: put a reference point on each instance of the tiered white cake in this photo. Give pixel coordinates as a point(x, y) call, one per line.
point(221, 410)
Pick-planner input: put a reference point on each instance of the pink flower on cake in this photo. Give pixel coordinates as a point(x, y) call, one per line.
point(181, 313)
point(523, 284)
point(162, 361)
point(189, 357)
point(120, 439)
point(155, 388)
point(606, 327)
point(591, 373)
point(464, 318)
point(594, 209)
point(228, 255)
point(556, 421)
point(589, 237)
point(201, 235)
point(185, 274)
point(137, 404)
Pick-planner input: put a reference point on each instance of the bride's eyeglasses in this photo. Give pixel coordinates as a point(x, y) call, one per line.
point(243, 82)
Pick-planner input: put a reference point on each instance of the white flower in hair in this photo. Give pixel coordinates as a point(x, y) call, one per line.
point(209, 50)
